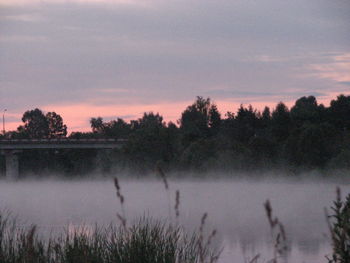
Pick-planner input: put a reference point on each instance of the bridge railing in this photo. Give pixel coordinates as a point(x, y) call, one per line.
point(60, 140)
point(11, 147)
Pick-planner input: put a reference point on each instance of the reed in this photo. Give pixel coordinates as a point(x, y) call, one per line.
point(121, 217)
point(145, 241)
point(177, 205)
point(277, 232)
point(159, 171)
point(339, 227)
point(278, 235)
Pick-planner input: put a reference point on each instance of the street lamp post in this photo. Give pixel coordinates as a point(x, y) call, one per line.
point(3, 122)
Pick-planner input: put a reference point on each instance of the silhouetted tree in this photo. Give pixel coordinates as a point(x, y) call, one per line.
point(56, 127)
point(311, 145)
point(151, 120)
point(148, 141)
point(281, 122)
point(198, 154)
point(305, 110)
point(214, 119)
point(97, 125)
point(246, 123)
point(266, 115)
point(198, 120)
point(340, 112)
point(36, 124)
point(117, 129)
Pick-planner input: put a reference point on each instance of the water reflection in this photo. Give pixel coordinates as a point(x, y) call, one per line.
point(235, 209)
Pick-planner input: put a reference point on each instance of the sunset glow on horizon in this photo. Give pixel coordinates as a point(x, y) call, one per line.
point(121, 58)
point(77, 117)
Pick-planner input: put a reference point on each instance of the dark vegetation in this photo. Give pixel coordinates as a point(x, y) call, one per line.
point(144, 241)
point(147, 241)
point(305, 137)
point(339, 225)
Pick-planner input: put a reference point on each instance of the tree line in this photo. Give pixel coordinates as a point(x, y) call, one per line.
point(306, 136)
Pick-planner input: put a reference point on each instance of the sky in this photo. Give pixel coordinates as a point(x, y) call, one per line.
point(121, 58)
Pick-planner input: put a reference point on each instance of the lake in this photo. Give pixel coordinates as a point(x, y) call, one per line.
point(235, 209)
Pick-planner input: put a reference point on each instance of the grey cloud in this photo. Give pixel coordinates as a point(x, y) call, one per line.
point(114, 117)
point(261, 95)
point(167, 51)
point(273, 21)
point(347, 83)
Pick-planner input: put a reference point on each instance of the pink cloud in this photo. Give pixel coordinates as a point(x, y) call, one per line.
point(33, 2)
point(77, 116)
point(338, 69)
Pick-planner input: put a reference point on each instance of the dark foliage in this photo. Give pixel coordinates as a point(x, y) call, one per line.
point(145, 241)
point(306, 136)
point(339, 225)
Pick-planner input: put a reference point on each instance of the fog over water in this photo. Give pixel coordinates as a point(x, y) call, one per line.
point(234, 207)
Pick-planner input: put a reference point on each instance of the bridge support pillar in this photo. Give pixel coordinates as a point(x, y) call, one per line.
point(12, 165)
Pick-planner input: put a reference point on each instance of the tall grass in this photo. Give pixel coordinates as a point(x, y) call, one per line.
point(145, 241)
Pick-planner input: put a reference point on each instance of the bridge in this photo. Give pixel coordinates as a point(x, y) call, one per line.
point(11, 147)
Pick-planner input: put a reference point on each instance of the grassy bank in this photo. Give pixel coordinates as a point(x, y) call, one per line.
point(146, 241)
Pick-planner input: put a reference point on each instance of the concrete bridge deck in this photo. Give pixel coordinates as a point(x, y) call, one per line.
point(11, 147)
point(63, 143)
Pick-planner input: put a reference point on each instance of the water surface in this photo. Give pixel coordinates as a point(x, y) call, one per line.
point(234, 207)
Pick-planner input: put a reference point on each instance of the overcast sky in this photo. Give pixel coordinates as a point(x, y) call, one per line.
point(114, 59)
